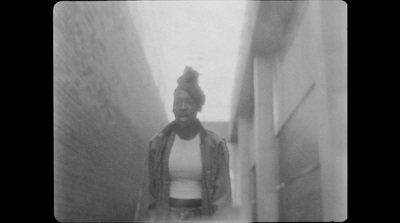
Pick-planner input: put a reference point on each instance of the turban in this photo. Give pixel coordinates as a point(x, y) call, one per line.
point(189, 83)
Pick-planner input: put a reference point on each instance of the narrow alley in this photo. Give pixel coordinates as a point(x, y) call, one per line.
point(275, 79)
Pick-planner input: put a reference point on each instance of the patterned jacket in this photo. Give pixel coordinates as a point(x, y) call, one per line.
point(216, 183)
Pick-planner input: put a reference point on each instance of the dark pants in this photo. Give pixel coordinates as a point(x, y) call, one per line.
point(184, 210)
point(184, 214)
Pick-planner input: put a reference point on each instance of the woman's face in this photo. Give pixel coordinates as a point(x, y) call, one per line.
point(185, 108)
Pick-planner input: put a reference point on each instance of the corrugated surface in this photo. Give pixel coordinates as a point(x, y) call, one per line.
point(106, 108)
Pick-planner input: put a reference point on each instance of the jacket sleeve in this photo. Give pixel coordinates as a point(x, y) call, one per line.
point(151, 182)
point(222, 196)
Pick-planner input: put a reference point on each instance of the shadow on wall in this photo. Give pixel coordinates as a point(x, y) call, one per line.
point(106, 108)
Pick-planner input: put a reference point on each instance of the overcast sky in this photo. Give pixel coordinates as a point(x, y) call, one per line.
point(204, 35)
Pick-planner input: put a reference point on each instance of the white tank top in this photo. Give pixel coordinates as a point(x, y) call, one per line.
point(185, 168)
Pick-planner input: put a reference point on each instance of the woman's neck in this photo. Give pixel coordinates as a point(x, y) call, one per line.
point(188, 132)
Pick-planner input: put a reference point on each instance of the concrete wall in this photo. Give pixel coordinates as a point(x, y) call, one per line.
point(300, 48)
point(106, 108)
point(312, 121)
point(310, 72)
point(296, 123)
point(300, 193)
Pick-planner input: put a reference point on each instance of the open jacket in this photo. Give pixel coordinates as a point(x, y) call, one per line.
point(216, 185)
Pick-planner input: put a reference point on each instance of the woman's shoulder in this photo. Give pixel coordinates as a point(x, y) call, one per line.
point(156, 137)
point(214, 137)
point(155, 140)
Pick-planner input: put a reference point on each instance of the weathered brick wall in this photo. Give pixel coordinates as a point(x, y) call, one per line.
point(106, 107)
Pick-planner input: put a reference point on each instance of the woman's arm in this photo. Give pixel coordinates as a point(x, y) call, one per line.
point(151, 180)
point(222, 196)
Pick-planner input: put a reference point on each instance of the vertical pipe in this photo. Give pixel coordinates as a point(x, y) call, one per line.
point(266, 162)
point(244, 129)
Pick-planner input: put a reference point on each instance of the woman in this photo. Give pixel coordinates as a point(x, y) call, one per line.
point(188, 164)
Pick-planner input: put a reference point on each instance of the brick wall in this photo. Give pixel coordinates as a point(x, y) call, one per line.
point(106, 107)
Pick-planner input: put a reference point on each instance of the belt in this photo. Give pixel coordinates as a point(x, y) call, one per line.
point(184, 203)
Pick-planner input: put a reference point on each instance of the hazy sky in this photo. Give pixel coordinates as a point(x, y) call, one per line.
point(204, 35)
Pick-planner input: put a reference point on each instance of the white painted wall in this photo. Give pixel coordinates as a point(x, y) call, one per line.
point(318, 54)
point(299, 67)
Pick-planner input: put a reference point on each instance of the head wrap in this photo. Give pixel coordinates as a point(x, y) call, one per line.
point(189, 83)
